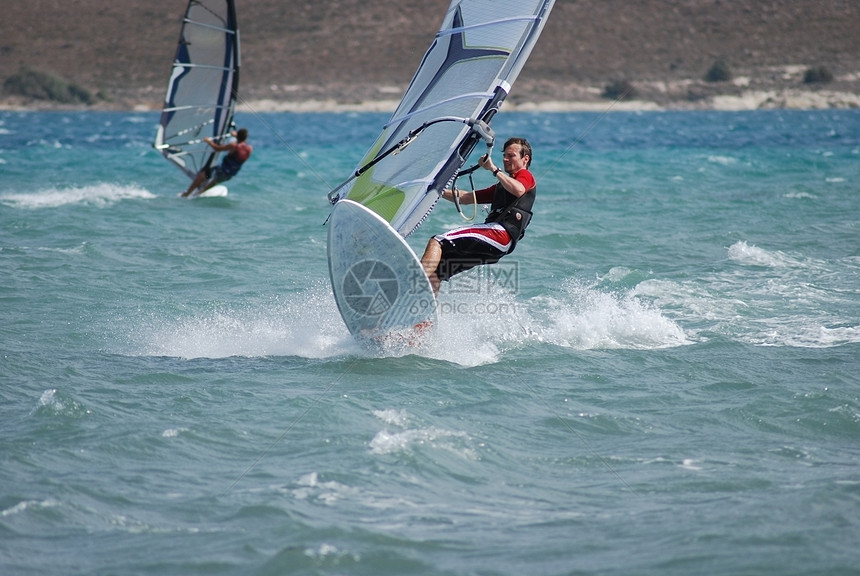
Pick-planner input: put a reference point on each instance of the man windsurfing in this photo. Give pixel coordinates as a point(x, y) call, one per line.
point(510, 199)
point(238, 151)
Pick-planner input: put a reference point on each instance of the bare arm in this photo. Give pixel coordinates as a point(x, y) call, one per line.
point(509, 183)
point(220, 147)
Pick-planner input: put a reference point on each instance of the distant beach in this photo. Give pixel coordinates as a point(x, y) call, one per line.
point(793, 99)
point(739, 94)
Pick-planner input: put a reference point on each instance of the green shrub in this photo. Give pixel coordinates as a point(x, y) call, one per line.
point(817, 74)
point(719, 72)
point(46, 86)
point(620, 89)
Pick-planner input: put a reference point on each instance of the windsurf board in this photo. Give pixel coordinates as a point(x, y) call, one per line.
point(217, 191)
point(380, 287)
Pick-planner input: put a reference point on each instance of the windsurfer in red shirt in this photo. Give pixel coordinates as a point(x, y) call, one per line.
point(511, 200)
point(238, 151)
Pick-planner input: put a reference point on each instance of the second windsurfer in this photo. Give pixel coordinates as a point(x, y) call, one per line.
point(238, 151)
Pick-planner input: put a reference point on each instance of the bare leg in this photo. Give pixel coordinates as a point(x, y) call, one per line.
point(208, 185)
point(198, 180)
point(430, 261)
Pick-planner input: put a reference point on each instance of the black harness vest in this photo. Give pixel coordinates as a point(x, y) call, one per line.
point(512, 212)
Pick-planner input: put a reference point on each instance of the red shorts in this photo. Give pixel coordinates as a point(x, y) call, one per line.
point(470, 246)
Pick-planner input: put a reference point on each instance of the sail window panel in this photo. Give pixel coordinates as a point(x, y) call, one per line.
point(213, 13)
point(418, 162)
point(479, 11)
point(474, 76)
point(497, 37)
point(205, 39)
point(199, 88)
point(195, 117)
point(207, 48)
point(460, 90)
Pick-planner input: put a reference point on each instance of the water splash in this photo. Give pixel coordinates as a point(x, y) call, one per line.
point(100, 195)
point(304, 324)
point(590, 318)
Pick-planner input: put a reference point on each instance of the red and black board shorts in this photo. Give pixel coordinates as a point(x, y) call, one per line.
point(470, 246)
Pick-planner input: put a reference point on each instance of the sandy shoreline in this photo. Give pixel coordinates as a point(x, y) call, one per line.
point(589, 101)
point(752, 100)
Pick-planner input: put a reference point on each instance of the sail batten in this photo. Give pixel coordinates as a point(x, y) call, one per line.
point(471, 96)
point(210, 26)
point(203, 86)
point(461, 82)
point(484, 25)
point(196, 107)
point(206, 67)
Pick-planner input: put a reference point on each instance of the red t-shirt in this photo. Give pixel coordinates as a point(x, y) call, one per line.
point(485, 195)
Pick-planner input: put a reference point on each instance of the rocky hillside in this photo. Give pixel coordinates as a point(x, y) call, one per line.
point(349, 49)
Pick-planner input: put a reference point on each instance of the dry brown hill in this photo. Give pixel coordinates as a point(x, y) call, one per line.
point(349, 48)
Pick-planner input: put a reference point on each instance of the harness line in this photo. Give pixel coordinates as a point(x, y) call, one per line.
point(585, 133)
point(282, 139)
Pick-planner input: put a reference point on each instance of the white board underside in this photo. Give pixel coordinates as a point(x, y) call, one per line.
point(217, 191)
point(378, 282)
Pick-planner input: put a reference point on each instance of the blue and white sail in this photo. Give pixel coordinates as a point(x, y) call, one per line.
point(203, 86)
point(463, 79)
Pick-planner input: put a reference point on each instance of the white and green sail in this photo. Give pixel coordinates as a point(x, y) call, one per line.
point(203, 85)
point(465, 75)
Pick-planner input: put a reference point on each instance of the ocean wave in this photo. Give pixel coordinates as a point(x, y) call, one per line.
point(803, 333)
point(103, 194)
point(743, 253)
point(408, 437)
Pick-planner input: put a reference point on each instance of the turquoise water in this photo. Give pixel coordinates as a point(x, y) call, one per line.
point(662, 379)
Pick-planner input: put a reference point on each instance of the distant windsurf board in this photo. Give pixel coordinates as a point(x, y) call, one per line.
point(216, 191)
